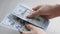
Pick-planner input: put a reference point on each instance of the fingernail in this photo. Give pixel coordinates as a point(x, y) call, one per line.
point(30, 17)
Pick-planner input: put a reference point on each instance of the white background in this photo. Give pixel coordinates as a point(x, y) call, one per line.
point(7, 6)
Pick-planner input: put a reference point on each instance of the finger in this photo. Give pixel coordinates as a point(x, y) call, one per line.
point(29, 26)
point(36, 8)
point(33, 14)
point(28, 32)
point(41, 11)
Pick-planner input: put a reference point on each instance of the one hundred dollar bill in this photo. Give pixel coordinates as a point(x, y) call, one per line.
point(17, 18)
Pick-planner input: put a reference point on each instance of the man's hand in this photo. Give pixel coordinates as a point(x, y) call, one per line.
point(48, 11)
point(33, 30)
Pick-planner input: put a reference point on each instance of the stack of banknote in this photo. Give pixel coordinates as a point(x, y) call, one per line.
point(18, 17)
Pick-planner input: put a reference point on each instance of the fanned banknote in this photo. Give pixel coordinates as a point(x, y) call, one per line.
point(18, 17)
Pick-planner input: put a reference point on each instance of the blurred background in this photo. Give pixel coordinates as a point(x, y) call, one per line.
point(7, 6)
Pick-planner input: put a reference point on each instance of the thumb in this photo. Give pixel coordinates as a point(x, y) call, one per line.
point(29, 26)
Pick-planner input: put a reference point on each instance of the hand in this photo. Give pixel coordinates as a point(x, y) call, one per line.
point(33, 30)
point(48, 11)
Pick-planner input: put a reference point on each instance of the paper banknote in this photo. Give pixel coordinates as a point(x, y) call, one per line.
point(17, 18)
